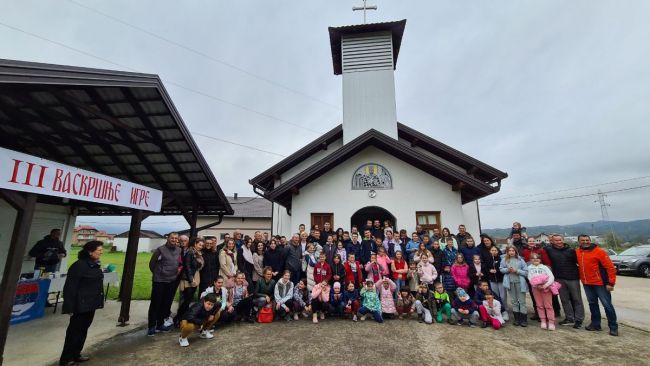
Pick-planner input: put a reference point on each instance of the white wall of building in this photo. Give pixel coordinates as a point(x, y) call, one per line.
point(413, 190)
point(46, 218)
point(470, 219)
point(144, 244)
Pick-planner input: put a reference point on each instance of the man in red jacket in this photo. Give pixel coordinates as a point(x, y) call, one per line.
point(598, 276)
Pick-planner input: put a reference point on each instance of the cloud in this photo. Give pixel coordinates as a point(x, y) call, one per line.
point(554, 92)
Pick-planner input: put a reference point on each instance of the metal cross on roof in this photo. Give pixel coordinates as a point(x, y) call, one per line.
point(364, 8)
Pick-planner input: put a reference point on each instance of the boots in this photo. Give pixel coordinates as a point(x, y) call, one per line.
point(524, 320)
point(517, 317)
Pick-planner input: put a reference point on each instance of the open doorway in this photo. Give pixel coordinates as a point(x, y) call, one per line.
point(371, 213)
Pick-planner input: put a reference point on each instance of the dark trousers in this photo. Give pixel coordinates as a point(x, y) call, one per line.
point(187, 295)
point(244, 307)
point(296, 275)
point(595, 293)
point(75, 336)
point(162, 297)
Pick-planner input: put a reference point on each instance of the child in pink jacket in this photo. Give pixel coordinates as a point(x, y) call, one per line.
point(460, 272)
point(320, 298)
point(427, 271)
point(384, 260)
point(386, 291)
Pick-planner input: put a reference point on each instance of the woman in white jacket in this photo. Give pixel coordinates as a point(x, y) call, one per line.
point(541, 277)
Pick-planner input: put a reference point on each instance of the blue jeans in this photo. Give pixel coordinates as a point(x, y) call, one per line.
point(595, 293)
point(399, 283)
point(375, 314)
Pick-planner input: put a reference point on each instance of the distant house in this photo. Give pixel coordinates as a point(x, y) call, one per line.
point(542, 239)
point(83, 234)
point(149, 240)
point(251, 214)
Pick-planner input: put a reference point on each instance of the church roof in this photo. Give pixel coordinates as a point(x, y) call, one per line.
point(395, 28)
point(473, 167)
point(469, 183)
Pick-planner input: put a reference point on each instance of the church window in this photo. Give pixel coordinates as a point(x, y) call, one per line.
point(428, 220)
point(372, 176)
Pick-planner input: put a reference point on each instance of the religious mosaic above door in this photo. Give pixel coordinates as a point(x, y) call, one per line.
point(372, 176)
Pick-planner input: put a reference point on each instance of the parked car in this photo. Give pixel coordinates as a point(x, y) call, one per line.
point(610, 252)
point(634, 260)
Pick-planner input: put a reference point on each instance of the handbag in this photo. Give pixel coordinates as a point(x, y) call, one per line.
point(265, 315)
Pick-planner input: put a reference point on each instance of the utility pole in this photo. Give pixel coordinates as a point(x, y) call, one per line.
point(605, 215)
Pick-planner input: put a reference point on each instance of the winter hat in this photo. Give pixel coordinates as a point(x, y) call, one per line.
point(337, 285)
point(461, 292)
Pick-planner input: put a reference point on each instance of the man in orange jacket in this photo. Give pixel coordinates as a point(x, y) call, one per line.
point(598, 276)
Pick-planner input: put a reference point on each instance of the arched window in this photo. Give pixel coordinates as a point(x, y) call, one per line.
point(372, 176)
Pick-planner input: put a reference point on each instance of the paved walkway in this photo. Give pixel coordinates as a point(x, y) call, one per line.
point(39, 342)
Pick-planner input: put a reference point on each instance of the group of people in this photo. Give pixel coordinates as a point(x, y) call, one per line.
point(376, 271)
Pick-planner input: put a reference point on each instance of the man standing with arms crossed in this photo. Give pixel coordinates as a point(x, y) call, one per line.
point(598, 276)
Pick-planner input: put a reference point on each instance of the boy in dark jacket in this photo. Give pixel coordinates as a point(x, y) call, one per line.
point(447, 281)
point(200, 315)
point(464, 308)
point(437, 256)
point(351, 299)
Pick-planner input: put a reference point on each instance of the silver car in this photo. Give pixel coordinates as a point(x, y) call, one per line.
point(635, 260)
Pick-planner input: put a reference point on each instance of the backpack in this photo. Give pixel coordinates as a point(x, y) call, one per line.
point(265, 315)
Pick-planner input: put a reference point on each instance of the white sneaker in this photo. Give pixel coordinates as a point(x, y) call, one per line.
point(296, 317)
point(304, 314)
point(505, 316)
point(322, 316)
point(363, 317)
point(354, 317)
point(183, 342)
point(206, 334)
point(168, 322)
point(211, 331)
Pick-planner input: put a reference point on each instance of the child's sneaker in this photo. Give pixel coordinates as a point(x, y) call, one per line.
point(551, 326)
point(543, 324)
point(322, 316)
point(401, 317)
point(505, 316)
point(354, 317)
point(304, 314)
point(460, 322)
point(183, 342)
point(472, 325)
point(169, 321)
point(315, 318)
point(206, 334)
point(296, 317)
point(363, 317)
point(151, 332)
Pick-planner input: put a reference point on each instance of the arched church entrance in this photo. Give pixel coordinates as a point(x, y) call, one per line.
point(371, 213)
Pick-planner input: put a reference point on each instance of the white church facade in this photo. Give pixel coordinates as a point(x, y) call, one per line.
point(371, 166)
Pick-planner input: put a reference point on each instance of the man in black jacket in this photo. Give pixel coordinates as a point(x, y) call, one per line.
point(565, 270)
point(210, 270)
point(48, 251)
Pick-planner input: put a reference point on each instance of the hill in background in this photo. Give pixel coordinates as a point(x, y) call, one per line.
point(633, 231)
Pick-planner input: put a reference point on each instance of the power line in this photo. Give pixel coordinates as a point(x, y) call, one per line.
point(165, 80)
point(237, 144)
point(203, 54)
point(565, 190)
point(565, 197)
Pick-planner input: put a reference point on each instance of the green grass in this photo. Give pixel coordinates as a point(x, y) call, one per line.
point(142, 280)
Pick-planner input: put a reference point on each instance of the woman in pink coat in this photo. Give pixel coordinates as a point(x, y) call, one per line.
point(460, 272)
point(386, 290)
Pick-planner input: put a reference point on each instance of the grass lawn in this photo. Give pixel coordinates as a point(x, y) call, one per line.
point(142, 280)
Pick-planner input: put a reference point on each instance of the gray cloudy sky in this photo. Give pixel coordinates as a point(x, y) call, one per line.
point(553, 92)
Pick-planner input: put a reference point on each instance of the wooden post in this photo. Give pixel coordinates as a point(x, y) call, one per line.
point(25, 207)
point(192, 221)
point(126, 285)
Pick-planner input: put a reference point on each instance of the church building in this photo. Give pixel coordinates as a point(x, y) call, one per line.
point(372, 166)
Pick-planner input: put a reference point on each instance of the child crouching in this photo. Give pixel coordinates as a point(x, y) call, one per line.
point(370, 302)
point(491, 311)
point(405, 302)
point(199, 316)
point(301, 302)
point(443, 303)
point(425, 304)
point(464, 308)
point(351, 299)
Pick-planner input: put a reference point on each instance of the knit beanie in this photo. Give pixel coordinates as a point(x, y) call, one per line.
point(461, 292)
point(337, 285)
